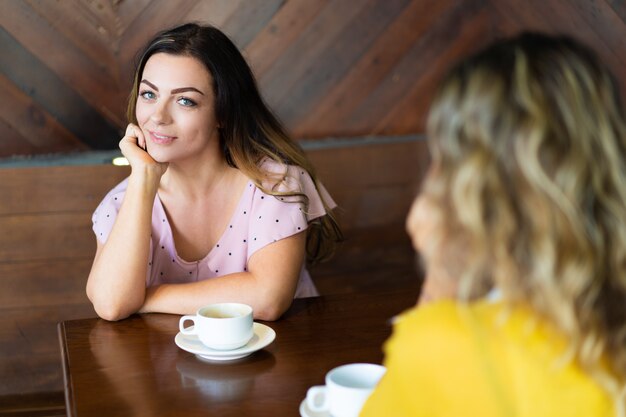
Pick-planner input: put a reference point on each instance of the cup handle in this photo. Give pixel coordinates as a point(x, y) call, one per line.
point(312, 400)
point(187, 330)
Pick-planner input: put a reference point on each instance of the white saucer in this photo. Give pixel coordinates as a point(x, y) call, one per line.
point(263, 336)
point(305, 411)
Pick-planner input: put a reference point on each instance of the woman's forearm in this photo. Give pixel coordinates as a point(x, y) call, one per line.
point(239, 287)
point(268, 286)
point(116, 284)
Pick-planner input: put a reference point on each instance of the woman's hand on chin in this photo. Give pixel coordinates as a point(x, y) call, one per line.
point(133, 147)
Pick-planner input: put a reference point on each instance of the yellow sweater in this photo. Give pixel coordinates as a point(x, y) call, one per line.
point(446, 360)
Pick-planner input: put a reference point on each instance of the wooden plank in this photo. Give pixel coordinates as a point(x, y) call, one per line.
point(319, 35)
point(41, 404)
point(619, 7)
point(29, 352)
point(80, 25)
point(360, 167)
point(594, 23)
point(11, 142)
point(39, 129)
point(410, 112)
point(244, 25)
point(408, 71)
point(157, 16)
point(336, 60)
point(326, 119)
point(128, 11)
point(59, 189)
point(372, 185)
point(46, 237)
point(285, 27)
point(64, 59)
point(58, 97)
point(214, 12)
point(44, 284)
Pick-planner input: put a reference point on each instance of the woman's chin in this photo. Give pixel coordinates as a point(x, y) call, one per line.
point(160, 157)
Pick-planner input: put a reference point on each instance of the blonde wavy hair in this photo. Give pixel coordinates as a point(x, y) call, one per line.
point(528, 141)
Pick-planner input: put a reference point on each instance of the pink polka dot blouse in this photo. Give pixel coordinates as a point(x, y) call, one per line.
point(260, 219)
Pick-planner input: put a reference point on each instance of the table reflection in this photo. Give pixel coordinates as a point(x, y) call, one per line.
point(224, 381)
point(137, 365)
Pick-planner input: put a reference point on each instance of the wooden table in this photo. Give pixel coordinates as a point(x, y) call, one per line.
point(133, 367)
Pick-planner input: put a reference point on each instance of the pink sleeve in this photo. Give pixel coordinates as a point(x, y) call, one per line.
point(277, 217)
point(105, 214)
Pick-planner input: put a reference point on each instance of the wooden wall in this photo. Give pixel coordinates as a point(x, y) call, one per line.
point(329, 68)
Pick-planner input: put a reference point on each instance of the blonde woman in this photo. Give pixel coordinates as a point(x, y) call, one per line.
point(220, 204)
point(527, 193)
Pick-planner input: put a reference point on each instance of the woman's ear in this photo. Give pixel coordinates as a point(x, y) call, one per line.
point(423, 225)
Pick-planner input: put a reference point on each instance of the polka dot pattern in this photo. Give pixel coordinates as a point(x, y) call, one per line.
point(258, 220)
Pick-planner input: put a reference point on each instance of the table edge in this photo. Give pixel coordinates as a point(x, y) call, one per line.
point(67, 378)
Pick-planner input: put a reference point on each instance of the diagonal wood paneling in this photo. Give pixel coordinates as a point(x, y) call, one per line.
point(601, 24)
point(327, 67)
point(303, 52)
point(465, 29)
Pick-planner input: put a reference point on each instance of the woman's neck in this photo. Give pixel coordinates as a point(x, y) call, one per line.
point(198, 179)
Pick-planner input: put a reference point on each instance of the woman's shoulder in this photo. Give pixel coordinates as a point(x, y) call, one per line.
point(113, 199)
point(283, 175)
point(118, 191)
point(286, 178)
point(450, 319)
point(499, 324)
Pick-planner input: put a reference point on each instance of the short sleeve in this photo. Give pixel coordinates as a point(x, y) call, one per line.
point(273, 219)
point(278, 217)
point(105, 214)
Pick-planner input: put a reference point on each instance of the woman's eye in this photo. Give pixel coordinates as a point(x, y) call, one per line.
point(184, 101)
point(148, 95)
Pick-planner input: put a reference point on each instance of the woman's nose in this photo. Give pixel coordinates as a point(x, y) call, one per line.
point(161, 114)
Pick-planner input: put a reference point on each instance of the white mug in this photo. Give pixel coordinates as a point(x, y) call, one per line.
point(346, 390)
point(223, 326)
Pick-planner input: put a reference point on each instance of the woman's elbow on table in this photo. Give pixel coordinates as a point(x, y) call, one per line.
point(109, 309)
point(269, 313)
point(271, 307)
point(111, 312)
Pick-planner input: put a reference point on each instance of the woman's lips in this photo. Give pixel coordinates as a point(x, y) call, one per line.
point(160, 139)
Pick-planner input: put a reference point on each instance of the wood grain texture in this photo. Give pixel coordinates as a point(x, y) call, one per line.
point(58, 189)
point(29, 353)
point(600, 24)
point(37, 128)
point(44, 283)
point(328, 68)
point(371, 68)
point(115, 368)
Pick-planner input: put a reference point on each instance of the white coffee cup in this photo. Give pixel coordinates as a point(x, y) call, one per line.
point(346, 390)
point(223, 326)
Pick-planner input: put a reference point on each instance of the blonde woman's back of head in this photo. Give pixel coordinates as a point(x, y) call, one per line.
point(529, 152)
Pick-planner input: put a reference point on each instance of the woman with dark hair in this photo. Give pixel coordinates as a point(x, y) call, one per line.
point(526, 194)
point(221, 205)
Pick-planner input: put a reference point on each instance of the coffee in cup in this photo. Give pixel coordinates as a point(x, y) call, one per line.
point(223, 326)
point(346, 390)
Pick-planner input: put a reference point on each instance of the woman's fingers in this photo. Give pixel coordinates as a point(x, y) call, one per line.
point(133, 147)
point(133, 131)
point(130, 130)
